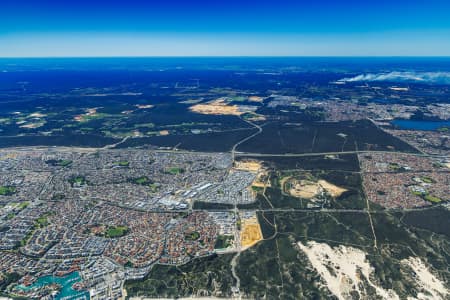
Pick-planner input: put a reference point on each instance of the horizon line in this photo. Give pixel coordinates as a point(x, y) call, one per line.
point(230, 56)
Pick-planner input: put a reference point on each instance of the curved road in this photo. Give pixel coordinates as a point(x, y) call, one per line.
point(233, 150)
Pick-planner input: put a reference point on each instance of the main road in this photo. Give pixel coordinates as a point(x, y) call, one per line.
point(233, 150)
point(251, 154)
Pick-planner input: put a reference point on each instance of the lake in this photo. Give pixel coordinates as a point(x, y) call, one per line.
point(420, 125)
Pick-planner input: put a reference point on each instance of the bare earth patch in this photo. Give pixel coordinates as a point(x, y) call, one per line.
point(216, 107)
point(37, 115)
point(251, 232)
point(144, 106)
point(32, 125)
point(248, 165)
point(305, 189)
point(332, 189)
point(261, 180)
point(308, 189)
point(255, 99)
point(426, 281)
point(344, 270)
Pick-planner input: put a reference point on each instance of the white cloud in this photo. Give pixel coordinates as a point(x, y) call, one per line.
point(425, 77)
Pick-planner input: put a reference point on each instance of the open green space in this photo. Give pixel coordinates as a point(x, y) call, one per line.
point(7, 190)
point(192, 236)
point(223, 241)
point(340, 162)
point(78, 181)
point(427, 179)
point(59, 162)
point(174, 170)
point(58, 196)
point(432, 198)
point(206, 276)
point(435, 219)
point(143, 180)
point(43, 221)
point(122, 163)
point(276, 196)
point(96, 116)
point(116, 231)
point(323, 137)
point(25, 240)
point(23, 205)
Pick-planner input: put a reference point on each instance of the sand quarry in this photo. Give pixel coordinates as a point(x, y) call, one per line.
point(308, 189)
point(345, 269)
point(216, 107)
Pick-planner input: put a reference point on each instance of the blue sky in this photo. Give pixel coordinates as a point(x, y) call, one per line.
point(222, 28)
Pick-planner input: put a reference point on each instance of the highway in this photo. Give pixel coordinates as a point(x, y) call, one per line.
point(252, 154)
point(233, 150)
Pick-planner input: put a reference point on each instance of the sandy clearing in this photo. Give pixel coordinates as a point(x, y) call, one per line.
point(251, 232)
point(261, 180)
point(216, 107)
point(211, 109)
point(334, 190)
point(37, 115)
point(32, 125)
point(248, 165)
point(255, 99)
point(305, 189)
point(89, 112)
point(402, 89)
point(8, 156)
point(342, 269)
point(426, 281)
point(308, 189)
point(144, 106)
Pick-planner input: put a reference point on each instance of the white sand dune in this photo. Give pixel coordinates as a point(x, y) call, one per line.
point(426, 281)
point(343, 269)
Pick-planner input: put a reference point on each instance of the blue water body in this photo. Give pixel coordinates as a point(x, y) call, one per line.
point(66, 282)
point(420, 125)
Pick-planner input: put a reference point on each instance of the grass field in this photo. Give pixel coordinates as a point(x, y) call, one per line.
point(116, 231)
point(175, 170)
point(143, 180)
point(7, 190)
